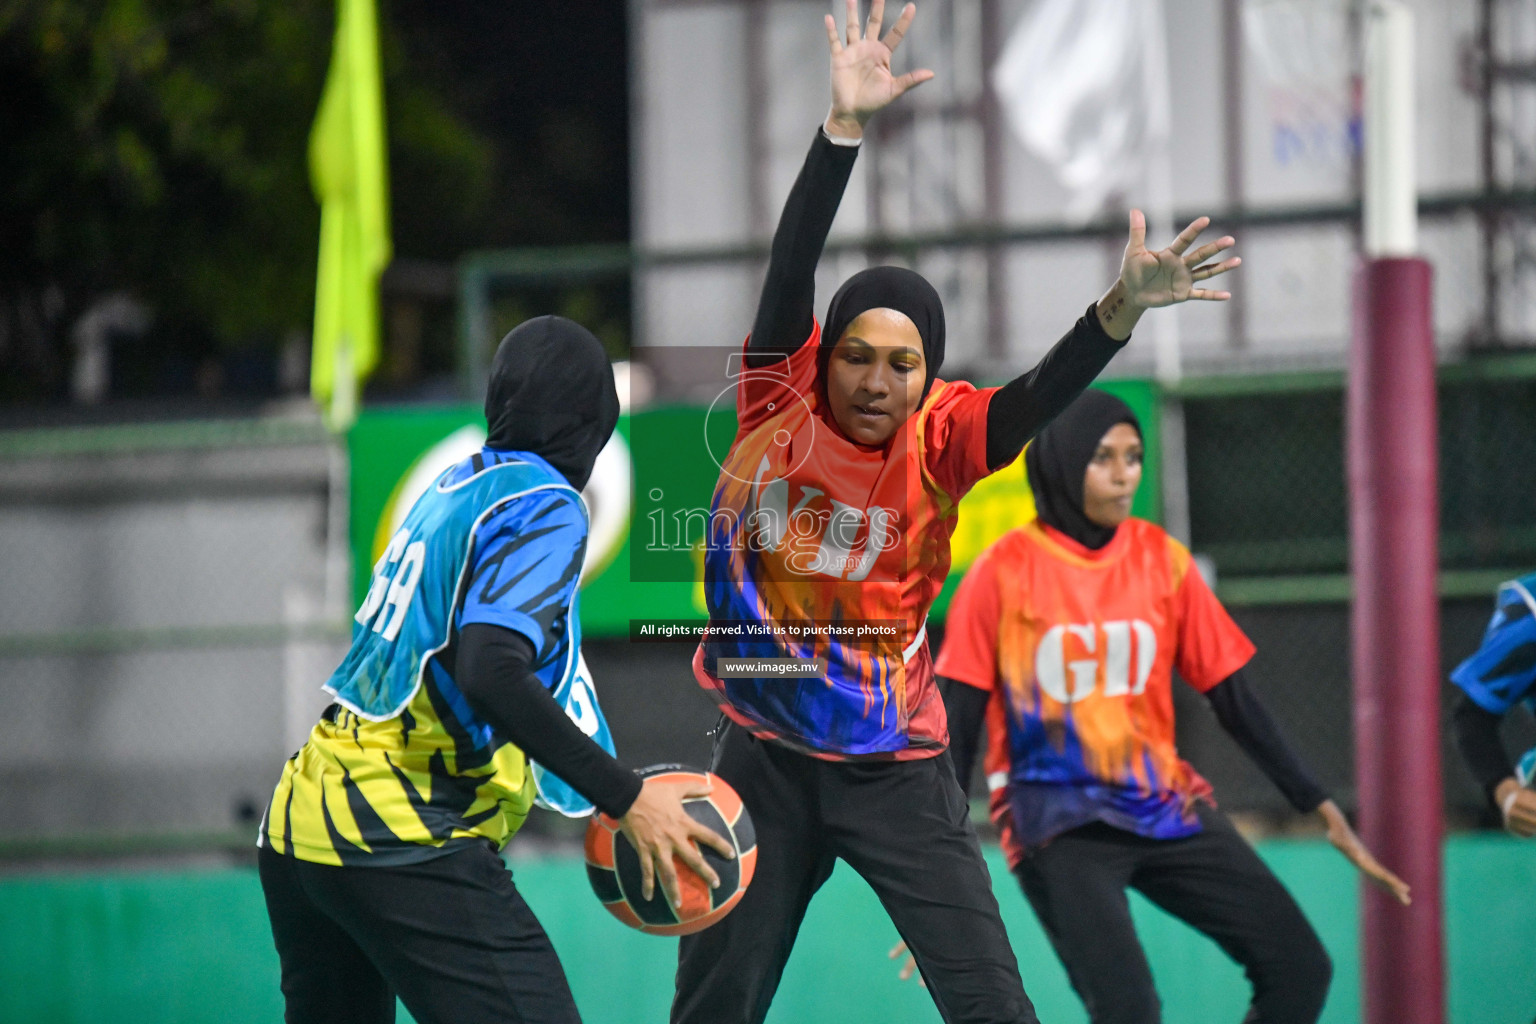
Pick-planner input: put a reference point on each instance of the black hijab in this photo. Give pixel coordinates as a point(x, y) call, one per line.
point(1057, 459)
point(898, 288)
point(551, 392)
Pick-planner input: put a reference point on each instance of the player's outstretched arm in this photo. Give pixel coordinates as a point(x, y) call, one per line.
point(1023, 407)
point(1344, 839)
point(862, 83)
point(1245, 718)
point(493, 673)
point(1477, 737)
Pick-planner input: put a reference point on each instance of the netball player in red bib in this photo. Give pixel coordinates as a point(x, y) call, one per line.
point(833, 511)
point(1063, 637)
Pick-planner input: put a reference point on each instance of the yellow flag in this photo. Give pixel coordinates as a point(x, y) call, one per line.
point(347, 169)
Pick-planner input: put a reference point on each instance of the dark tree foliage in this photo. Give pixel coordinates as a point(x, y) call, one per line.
point(155, 148)
point(547, 83)
point(158, 148)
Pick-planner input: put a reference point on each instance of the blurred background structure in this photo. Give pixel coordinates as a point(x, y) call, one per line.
point(181, 539)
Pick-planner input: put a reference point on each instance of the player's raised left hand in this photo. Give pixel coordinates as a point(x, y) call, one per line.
point(862, 82)
point(1344, 839)
point(1162, 278)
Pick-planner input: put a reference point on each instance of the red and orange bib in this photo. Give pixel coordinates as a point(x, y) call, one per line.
point(1078, 648)
point(810, 529)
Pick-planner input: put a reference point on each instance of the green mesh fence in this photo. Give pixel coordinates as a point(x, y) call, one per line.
point(1267, 482)
point(1269, 507)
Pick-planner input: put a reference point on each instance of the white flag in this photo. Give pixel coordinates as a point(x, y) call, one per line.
point(1305, 71)
point(1083, 84)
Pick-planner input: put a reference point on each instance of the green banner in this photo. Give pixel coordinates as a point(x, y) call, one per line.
point(396, 453)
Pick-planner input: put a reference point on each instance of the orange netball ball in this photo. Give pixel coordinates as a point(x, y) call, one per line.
point(613, 867)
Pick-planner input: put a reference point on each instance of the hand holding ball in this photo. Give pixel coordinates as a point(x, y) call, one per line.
point(686, 830)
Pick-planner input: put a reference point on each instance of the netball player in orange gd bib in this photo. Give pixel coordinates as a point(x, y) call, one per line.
point(1063, 638)
point(828, 541)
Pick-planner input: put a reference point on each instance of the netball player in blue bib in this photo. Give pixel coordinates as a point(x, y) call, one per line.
point(1500, 674)
point(462, 700)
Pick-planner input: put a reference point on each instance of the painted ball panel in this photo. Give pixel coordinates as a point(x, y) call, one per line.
point(613, 866)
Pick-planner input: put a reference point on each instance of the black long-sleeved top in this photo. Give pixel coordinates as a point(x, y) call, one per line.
point(1237, 708)
point(492, 671)
point(1477, 737)
point(1248, 721)
point(785, 312)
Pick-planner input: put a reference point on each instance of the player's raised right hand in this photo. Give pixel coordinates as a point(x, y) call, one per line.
point(862, 82)
point(659, 828)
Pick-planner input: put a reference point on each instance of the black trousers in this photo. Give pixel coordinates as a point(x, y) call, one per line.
point(1213, 881)
point(902, 825)
point(451, 936)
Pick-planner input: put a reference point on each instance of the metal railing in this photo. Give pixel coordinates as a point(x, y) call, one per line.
point(481, 274)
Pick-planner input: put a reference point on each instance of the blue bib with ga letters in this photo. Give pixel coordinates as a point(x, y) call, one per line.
point(420, 585)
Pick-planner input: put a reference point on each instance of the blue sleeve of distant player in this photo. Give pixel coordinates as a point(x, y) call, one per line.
point(1502, 671)
point(525, 566)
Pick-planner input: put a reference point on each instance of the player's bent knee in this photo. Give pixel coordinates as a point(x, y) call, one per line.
point(1309, 965)
point(1297, 985)
point(1315, 972)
